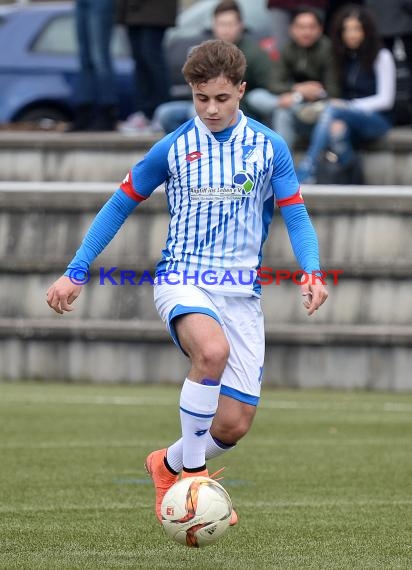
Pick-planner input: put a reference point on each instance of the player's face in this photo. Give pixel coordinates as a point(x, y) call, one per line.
point(352, 33)
point(305, 30)
point(227, 27)
point(217, 102)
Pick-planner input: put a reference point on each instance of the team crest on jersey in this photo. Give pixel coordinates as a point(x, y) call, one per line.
point(249, 153)
point(244, 180)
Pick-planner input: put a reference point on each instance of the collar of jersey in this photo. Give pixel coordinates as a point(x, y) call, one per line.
point(225, 135)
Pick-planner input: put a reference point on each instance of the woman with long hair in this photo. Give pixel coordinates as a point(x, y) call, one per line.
point(367, 76)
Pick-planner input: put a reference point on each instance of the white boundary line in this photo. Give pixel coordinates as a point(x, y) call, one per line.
point(263, 505)
point(309, 405)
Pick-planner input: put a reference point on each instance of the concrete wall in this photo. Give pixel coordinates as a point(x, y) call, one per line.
point(74, 157)
point(360, 338)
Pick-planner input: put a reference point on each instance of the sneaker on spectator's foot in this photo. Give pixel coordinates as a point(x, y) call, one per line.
point(162, 478)
point(135, 123)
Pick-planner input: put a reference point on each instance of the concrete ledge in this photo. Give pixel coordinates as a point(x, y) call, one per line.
point(153, 331)
point(397, 269)
point(88, 196)
point(57, 141)
point(109, 156)
point(399, 139)
point(346, 366)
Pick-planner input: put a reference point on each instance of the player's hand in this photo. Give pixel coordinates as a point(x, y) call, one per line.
point(314, 292)
point(311, 90)
point(61, 294)
point(338, 103)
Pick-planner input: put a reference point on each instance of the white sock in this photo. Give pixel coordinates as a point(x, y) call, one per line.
point(214, 448)
point(198, 404)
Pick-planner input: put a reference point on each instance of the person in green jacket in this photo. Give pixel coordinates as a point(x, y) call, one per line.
point(228, 25)
point(306, 77)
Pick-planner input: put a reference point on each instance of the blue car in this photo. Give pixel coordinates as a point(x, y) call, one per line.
point(39, 63)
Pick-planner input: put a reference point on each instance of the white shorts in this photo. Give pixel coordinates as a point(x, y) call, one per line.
point(241, 319)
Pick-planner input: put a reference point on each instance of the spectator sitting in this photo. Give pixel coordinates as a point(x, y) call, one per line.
point(368, 78)
point(282, 12)
point(260, 72)
point(306, 73)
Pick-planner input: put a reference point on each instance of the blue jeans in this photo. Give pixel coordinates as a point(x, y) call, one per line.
point(359, 126)
point(151, 71)
point(283, 121)
point(173, 114)
point(94, 25)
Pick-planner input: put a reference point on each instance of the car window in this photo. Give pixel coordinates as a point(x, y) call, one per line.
point(59, 37)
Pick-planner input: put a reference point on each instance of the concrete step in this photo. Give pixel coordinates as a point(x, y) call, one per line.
point(39, 156)
point(147, 331)
point(361, 229)
point(354, 301)
point(360, 338)
point(352, 357)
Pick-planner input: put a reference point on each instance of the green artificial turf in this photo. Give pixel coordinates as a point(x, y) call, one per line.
point(322, 481)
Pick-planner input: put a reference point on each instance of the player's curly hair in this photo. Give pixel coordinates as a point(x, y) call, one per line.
point(213, 58)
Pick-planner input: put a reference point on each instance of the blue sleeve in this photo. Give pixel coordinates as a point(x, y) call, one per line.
point(302, 236)
point(153, 170)
point(103, 229)
point(285, 185)
point(284, 179)
point(140, 182)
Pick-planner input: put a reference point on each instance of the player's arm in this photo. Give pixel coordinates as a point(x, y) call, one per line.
point(140, 182)
point(301, 232)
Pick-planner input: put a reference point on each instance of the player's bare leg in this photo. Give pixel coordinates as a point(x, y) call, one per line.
point(202, 338)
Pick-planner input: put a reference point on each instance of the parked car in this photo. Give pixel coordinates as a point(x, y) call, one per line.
point(38, 57)
point(38, 64)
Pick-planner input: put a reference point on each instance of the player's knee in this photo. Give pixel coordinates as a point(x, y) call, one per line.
point(231, 429)
point(337, 127)
point(212, 357)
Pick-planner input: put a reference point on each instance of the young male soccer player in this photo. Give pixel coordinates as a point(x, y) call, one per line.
point(223, 173)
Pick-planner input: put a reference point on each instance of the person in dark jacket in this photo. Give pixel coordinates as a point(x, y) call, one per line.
point(146, 22)
point(282, 11)
point(368, 81)
point(305, 78)
point(394, 20)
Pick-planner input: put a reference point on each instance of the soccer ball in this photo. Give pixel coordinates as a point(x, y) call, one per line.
point(196, 511)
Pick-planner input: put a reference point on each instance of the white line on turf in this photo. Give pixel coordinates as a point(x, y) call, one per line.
point(310, 405)
point(332, 440)
point(262, 505)
point(77, 444)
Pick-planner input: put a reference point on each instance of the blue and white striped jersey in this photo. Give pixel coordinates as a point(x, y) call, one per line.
point(221, 189)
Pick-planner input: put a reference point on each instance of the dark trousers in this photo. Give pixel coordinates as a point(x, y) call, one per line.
point(94, 24)
point(151, 72)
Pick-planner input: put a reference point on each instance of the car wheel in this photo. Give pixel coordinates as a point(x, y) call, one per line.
point(43, 117)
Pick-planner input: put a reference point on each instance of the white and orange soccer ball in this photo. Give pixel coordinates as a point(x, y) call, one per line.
point(196, 511)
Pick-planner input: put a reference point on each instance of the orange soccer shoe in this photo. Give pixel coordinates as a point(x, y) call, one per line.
point(162, 478)
point(234, 519)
